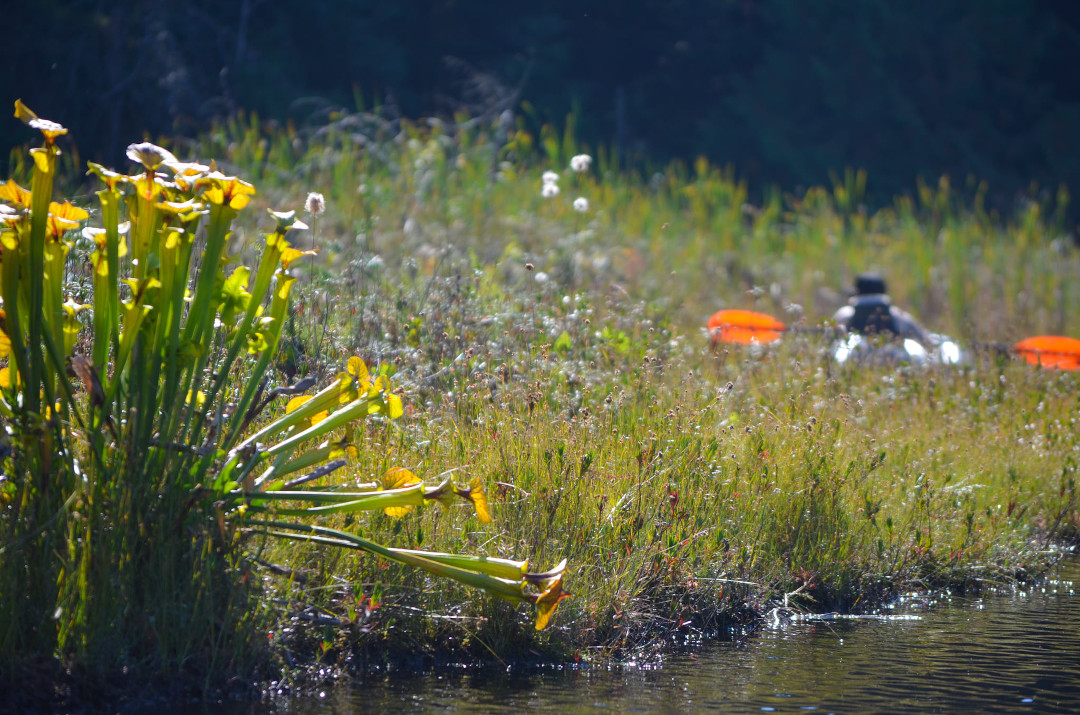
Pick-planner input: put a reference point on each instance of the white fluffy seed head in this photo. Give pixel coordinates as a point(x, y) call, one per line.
point(580, 163)
point(315, 204)
point(581, 204)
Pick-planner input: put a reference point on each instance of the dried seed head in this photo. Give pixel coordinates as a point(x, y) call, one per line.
point(315, 203)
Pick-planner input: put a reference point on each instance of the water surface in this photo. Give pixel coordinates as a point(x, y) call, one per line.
point(1013, 652)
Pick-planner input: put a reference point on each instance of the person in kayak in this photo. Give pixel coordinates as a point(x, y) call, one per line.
point(871, 312)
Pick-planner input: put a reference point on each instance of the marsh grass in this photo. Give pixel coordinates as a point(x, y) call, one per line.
point(682, 500)
point(691, 489)
point(559, 358)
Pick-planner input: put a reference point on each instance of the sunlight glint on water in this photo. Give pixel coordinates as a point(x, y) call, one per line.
point(999, 653)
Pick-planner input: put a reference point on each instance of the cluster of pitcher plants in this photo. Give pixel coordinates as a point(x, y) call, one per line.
point(143, 439)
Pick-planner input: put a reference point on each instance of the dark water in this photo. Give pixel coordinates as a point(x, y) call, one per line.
point(1013, 652)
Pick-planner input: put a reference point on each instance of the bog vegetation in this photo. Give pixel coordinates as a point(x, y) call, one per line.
point(201, 475)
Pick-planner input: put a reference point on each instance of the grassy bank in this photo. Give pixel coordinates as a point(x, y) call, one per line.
point(557, 357)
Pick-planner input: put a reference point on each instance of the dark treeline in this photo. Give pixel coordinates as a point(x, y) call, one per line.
point(787, 91)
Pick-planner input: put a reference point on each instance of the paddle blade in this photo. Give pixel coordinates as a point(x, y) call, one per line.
point(1051, 351)
point(744, 326)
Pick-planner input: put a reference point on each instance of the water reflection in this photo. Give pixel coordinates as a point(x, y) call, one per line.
point(1018, 653)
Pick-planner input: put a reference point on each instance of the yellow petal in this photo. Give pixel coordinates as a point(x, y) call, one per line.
point(547, 601)
point(357, 368)
point(296, 402)
point(290, 254)
point(15, 194)
point(478, 497)
point(23, 113)
point(394, 406)
point(67, 211)
point(397, 478)
point(41, 160)
point(5, 377)
point(50, 129)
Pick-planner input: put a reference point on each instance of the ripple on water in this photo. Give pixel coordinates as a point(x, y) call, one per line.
point(1002, 653)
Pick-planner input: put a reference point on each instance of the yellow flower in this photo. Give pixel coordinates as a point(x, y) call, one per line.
point(295, 402)
point(98, 236)
point(345, 446)
point(394, 407)
point(48, 128)
point(185, 210)
point(548, 601)
point(63, 218)
point(9, 215)
point(357, 378)
point(110, 177)
point(475, 494)
point(71, 324)
point(187, 173)
point(224, 190)
point(149, 155)
point(290, 254)
point(15, 194)
point(287, 221)
point(397, 478)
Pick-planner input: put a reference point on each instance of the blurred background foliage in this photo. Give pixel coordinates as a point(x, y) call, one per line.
point(790, 93)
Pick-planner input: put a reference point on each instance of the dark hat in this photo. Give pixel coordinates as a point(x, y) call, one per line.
point(869, 284)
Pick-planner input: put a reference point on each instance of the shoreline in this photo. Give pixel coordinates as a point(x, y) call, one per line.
point(83, 694)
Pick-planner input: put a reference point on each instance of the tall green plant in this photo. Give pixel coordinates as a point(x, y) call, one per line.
point(132, 453)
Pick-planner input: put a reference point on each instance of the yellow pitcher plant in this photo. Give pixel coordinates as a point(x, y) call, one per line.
point(105, 457)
